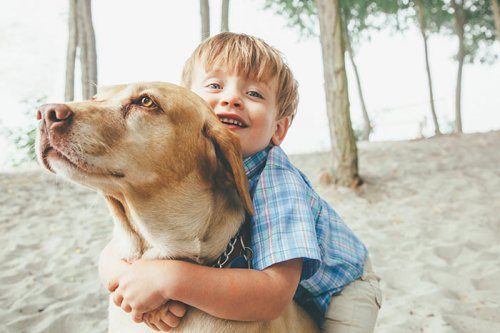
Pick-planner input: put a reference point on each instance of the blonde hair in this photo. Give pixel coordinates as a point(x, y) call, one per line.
point(251, 57)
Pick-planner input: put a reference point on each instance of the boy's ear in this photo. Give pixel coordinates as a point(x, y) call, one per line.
point(281, 129)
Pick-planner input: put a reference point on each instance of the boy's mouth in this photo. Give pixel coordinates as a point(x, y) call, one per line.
point(232, 121)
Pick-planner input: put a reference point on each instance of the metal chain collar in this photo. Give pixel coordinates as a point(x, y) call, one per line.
point(224, 257)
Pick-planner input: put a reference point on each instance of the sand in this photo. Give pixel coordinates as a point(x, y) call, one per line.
point(429, 212)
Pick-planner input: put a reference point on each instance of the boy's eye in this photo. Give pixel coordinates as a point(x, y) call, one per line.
point(214, 86)
point(254, 93)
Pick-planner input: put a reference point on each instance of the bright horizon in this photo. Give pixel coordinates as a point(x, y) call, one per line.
point(151, 41)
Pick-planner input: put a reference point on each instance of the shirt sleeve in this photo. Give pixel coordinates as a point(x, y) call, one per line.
point(283, 226)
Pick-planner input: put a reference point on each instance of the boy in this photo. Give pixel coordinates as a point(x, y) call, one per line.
point(302, 249)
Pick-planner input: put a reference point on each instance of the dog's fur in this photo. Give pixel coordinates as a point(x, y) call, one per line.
point(172, 176)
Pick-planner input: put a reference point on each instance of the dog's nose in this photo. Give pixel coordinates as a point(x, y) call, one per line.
point(55, 115)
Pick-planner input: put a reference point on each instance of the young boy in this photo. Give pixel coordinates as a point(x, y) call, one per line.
point(302, 249)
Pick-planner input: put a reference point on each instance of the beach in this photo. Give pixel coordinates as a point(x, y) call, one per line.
point(428, 211)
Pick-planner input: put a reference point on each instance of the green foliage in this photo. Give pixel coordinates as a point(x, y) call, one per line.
point(24, 137)
point(26, 143)
point(363, 16)
point(300, 14)
point(360, 16)
point(479, 31)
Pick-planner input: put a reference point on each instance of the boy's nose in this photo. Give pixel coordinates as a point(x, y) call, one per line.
point(232, 101)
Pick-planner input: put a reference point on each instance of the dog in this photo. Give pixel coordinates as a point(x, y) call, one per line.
point(173, 179)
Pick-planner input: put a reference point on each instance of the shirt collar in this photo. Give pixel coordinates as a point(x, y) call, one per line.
point(254, 163)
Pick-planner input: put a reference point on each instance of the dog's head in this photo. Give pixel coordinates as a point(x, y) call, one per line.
point(140, 135)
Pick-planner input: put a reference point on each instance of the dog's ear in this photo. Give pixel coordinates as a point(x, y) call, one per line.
point(229, 158)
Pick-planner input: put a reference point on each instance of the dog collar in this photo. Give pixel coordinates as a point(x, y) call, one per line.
point(237, 253)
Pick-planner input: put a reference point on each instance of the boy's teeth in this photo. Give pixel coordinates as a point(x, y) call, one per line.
point(231, 121)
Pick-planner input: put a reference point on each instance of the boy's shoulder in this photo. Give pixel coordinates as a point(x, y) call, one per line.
point(278, 166)
point(277, 157)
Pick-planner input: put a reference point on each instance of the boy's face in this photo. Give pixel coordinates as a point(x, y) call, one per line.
point(246, 107)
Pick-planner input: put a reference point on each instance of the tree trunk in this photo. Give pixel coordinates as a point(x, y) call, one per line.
point(82, 43)
point(495, 8)
point(205, 19)
point(423, 32)
point(91, 48)
point(459, 30)
point(224, 20)
point(345, 156)
point(367, 126)
point(69, 88)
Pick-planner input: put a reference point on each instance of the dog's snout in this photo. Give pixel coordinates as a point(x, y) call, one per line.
point(55, 115)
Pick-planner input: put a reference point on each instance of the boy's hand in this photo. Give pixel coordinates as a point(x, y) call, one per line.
point(166, 317)
point(111, 267)
point(139, 289)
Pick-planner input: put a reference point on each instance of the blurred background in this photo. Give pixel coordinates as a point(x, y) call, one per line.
point(150, 40)
point(427, 208)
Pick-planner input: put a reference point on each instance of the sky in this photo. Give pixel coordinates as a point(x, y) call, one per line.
point(149, 40)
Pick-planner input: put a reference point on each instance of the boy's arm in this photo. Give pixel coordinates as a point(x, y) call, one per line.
point(234, 294)
point(238, 294)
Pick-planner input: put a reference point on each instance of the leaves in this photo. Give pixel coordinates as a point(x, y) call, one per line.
point(24, 137)
point(362, 17)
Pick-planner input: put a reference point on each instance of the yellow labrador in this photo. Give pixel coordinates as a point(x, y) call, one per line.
point(172, 176)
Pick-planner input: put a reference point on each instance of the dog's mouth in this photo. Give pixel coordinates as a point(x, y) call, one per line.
point(53, 153)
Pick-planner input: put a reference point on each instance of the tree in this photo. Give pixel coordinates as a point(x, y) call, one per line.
point(205, 19)
point(470, 21)
point(69, 93)
point(459, 15)
point(344, 149)
point(422, 24)
point(81, 37)
point(495, 8)
point(303, 14)
point(90, 47)
point(473, 24)
point(224, 21)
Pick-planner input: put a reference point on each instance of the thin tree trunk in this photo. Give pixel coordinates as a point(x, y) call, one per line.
point(82, 43)
point(224, 20)
point(495, 8)
point(367, 127)
point(91, 48)
point(423, 32)
point(205, 19)
point(459, 30)
point(69, 88)
point(344, 150)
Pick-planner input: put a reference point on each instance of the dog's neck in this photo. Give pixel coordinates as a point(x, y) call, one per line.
point(187, 221)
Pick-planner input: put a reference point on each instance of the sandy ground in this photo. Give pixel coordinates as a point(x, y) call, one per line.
point(428, 212)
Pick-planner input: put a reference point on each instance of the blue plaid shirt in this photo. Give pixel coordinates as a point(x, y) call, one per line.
point(292, 221)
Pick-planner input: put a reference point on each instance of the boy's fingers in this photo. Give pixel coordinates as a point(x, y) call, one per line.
point(147, 321)
point(118, 299)
point(112, 285)
point(177, 308)
point(126, 307)
point(163, 327)
point(170, 319)
point(136, 317)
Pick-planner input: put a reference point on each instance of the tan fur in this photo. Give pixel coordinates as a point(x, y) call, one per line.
point(173, 179)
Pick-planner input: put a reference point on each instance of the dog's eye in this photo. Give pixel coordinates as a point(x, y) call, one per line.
point(147, 102)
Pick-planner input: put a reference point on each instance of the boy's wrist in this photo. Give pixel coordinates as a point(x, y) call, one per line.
point(172, 279)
